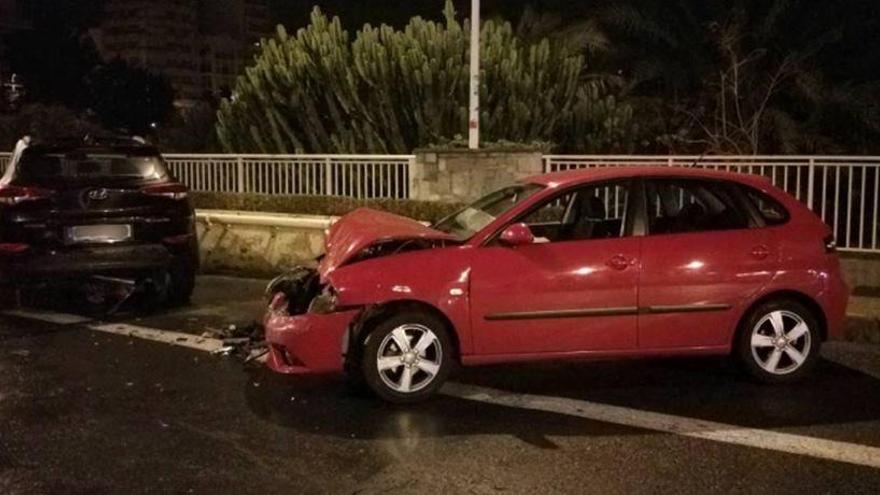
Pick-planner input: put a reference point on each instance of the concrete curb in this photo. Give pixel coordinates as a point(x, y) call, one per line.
point(862, 329)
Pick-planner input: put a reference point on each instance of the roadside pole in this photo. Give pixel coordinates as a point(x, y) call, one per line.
point(474, 120)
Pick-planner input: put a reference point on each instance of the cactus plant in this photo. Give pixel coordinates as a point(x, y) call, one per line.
point(390, 91)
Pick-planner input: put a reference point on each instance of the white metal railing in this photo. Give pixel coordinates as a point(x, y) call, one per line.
point(843, 190)
point(356, 176)
point(4, 160)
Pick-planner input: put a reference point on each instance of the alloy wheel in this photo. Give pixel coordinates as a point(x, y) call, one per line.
point(780, 342)
point(409, 358)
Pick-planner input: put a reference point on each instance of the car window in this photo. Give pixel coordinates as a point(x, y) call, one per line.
point(468, 221)
point(48, 167)
point(681, 205)
point(768, 208)
point(591, 212)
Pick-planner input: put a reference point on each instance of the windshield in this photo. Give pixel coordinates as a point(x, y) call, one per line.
point(43, 167)
point(473, 218)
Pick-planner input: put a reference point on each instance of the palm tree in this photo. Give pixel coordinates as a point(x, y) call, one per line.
point(743, 76)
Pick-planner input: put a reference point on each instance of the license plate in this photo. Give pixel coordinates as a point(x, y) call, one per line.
point(98, 233)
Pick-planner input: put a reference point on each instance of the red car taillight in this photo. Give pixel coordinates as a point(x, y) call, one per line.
point(13, 247)
point(13, 195)
point(171, 190)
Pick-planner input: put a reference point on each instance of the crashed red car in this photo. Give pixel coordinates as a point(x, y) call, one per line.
point(612, 262)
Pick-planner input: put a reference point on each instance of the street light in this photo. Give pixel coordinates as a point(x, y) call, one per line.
point(474, 120)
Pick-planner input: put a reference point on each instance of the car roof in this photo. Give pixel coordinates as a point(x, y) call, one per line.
point(89, 144)
point(583, 175)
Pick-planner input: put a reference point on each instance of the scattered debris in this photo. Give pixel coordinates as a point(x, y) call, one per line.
point(244, 341)
point(224, 350)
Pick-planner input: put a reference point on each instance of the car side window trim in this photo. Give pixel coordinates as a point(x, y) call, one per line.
point(628, 215)
point(743, 192)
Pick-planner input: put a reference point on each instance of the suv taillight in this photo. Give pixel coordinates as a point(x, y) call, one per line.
point(830, 244)
point(13, 195)
point(171, 190)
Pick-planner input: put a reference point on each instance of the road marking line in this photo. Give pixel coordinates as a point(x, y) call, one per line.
point(48, 316)
point(689, 427)
point(666, 423)
point(179, 339)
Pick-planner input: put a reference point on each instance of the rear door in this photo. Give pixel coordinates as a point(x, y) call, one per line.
point(701, 258)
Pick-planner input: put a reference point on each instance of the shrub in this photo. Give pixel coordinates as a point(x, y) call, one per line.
point(382, 90)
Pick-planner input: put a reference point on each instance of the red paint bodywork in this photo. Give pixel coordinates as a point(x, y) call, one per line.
point(466, 282)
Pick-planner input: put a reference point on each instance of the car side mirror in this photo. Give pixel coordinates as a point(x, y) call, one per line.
point(518, 234)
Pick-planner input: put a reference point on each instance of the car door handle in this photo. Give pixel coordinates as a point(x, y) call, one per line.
point(619, 262)
point(760, 252)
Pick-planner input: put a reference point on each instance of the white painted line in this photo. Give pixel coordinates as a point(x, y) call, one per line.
point(695, 428)
point(666, 423)
point(179, 339)
point(164, 336)
point(48, 316)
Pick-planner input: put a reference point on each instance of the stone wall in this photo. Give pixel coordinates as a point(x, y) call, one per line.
point(258, 243)
point(461, 176)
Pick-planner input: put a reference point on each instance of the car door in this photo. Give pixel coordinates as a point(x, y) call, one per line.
point(701, 258)
point(573, 289)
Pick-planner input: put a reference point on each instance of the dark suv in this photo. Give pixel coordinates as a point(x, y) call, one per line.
point(73, 209)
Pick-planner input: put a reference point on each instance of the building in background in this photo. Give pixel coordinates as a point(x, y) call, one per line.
point(14, 17)
point(200, 45)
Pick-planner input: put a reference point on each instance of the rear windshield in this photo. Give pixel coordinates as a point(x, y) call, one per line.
point(51, 167)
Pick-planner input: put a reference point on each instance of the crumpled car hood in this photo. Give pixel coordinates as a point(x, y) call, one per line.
point(364, 227)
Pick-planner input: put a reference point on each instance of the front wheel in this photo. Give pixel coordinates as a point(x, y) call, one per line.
point(779, 342)
point(407, 357)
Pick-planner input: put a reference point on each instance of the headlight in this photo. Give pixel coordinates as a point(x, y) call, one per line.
point(325, 302)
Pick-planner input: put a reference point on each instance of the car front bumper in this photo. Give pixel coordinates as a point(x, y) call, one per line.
point(308, 343)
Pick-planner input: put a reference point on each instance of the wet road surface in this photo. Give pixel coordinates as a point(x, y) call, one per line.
point(89, 412)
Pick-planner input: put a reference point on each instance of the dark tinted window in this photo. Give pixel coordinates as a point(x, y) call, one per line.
point(681, 205)
point(52, 166)
point(591, 212)
point(770, 210)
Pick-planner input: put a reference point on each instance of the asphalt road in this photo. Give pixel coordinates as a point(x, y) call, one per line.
point(90, 412)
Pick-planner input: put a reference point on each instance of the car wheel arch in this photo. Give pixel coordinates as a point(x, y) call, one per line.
point(784, 294)
point(359, 328)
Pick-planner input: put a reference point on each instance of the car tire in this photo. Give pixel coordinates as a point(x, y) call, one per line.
point(412, 369)
point(181, 284)
point(779, 342)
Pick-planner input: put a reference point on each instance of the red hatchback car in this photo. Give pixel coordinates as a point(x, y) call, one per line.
point(581, 264)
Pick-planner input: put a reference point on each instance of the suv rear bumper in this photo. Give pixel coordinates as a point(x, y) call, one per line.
point(36, 266)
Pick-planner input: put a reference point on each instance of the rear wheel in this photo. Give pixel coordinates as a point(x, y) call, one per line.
point(779, 341)
point(407, 357)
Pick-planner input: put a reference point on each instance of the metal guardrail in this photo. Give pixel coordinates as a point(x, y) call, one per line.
point(356, 176)
point(843, 190)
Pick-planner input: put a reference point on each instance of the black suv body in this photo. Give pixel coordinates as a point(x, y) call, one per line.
point(74, 209)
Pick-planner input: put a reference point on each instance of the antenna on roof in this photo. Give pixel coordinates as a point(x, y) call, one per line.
point(699, 158)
